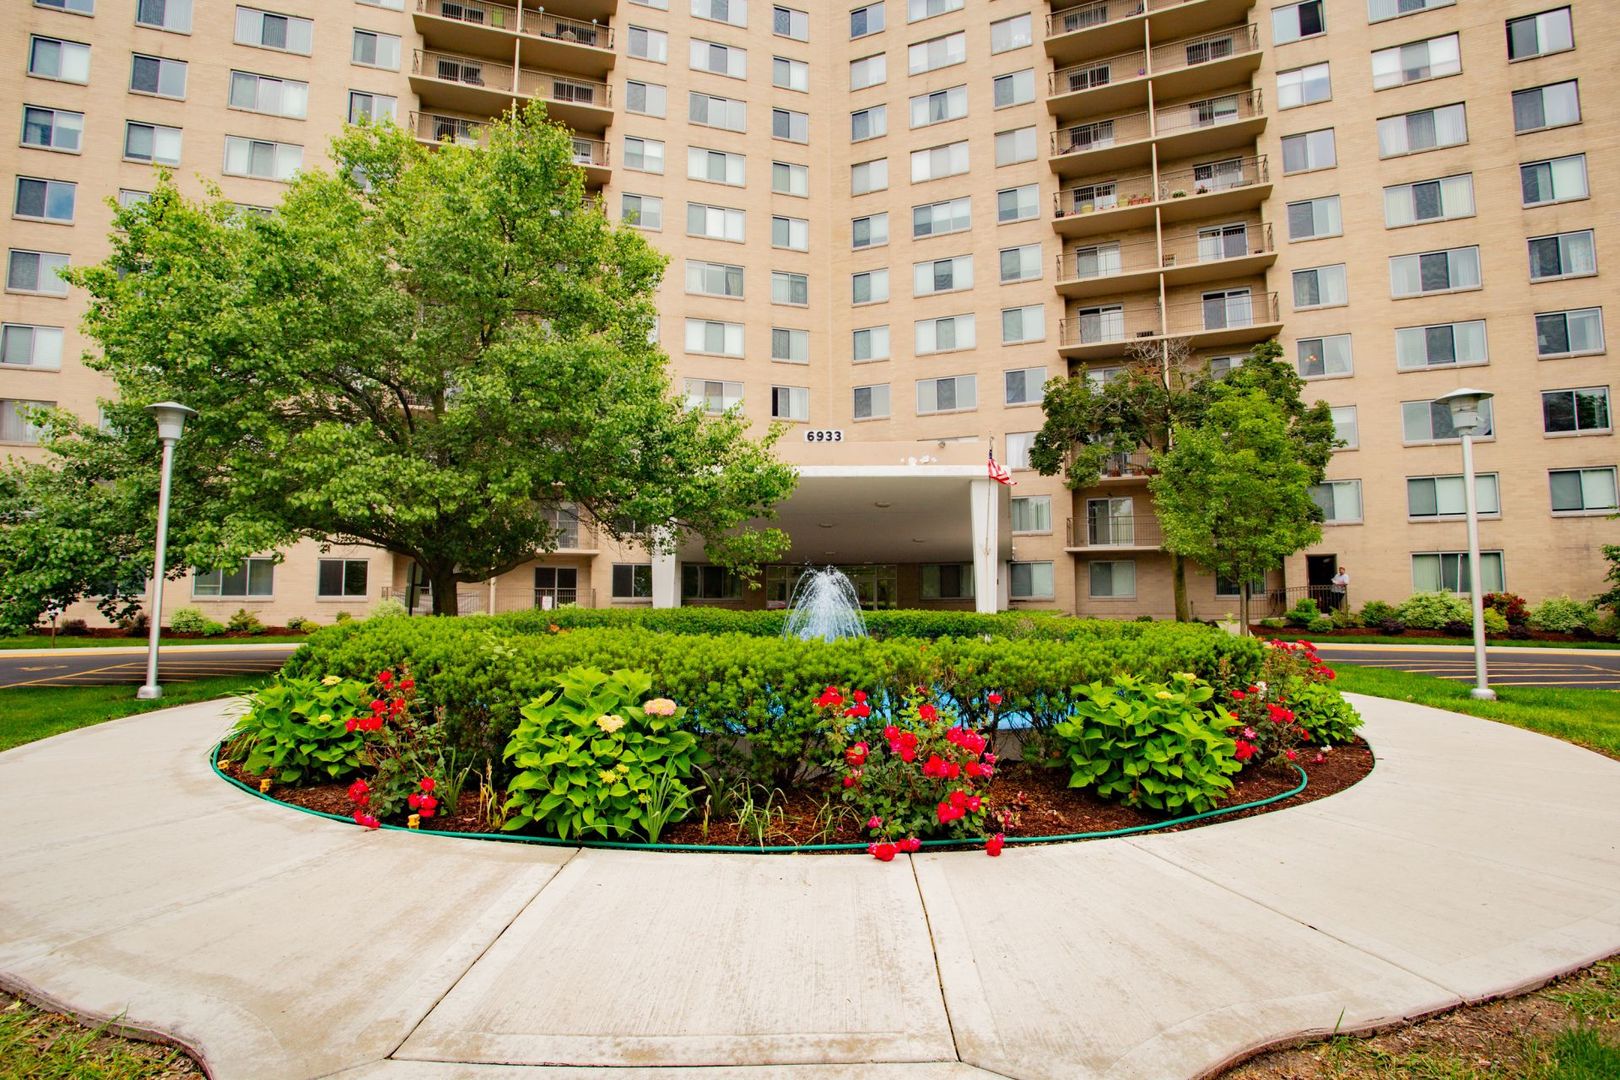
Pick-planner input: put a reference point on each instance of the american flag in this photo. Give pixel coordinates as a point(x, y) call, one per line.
point(999, 473)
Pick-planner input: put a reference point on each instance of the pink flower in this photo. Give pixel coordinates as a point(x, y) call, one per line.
point(1249, 733)
point(973, 803)
point(911, 843)
point(993, 846)
point(1290, 755)
point(874, 822)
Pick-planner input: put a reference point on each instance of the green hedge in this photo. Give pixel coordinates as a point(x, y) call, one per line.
point(481, 670)
point(879, 624)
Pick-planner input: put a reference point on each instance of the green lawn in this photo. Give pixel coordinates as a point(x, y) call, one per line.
point(1588, 717)
point(41, 641)
point(37, 712)
point(36, 1045)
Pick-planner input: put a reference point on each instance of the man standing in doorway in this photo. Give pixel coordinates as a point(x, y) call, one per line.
point(1341, 589)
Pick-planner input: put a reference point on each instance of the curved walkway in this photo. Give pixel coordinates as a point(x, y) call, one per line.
point(1476, 860)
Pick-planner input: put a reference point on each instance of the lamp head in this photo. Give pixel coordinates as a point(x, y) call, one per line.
point(1466, 405)
point(171, 419)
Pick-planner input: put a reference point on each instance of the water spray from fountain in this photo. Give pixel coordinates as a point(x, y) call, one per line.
point(824, 605)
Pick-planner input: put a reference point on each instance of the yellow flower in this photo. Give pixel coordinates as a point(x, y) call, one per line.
point(331, 680)
point(1186, 676)
point(642, 798)
point(610, 723)
point(324, 718)
point(622, 767)
point(607, 776)
point(1164, 695)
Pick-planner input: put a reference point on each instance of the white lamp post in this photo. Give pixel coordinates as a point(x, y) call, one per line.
point(171, 423)
point(1465, 406)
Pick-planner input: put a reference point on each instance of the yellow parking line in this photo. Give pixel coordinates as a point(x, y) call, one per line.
point(53, 678)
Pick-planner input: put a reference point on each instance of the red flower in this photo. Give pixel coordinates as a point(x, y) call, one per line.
point(874, 822)
point(365, 820)
point(927, 712)
point(385, 677)
point(1245, 750)
point(994, 699)
point(947, 813)
point(428, 783)
point(429, 804)
point(891, 733)
point(371, 723)
point(1290, 755)
point(859, 696)
point(861, 710)
point(974, 769)
point(830, 698)
point(397, 706)
point(989, 759)
point(934, 767)
point(856, 755)
point(882, 852)
point(952, 771)
point(958, 799)
point(908, 754)
point(350, 724)
point(413, 800)
point(973, 803)
point(1329, 674)
point(358, 789)
point(911, 843)
point(993, 846)
point(1238, 695)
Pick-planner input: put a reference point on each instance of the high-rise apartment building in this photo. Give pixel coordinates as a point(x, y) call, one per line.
point(889, 224)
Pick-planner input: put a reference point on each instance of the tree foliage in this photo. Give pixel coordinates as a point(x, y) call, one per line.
point(427, 350)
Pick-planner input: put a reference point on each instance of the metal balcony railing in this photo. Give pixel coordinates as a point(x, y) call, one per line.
point(1208, 113)
point(466, 70)
point(1204, 49)
point(1092, 261)
point(1086, 16)
point(570, 31)
point(555, 597)
point(1106, 530)
point(1219, 176)
point(564, 88)
point(434, 127)
point(1217, 244)
point(1095, 73)
point(1109, 325)
point(591, 152)
point(1100, 134)
point(1090, 196)
point(1232, 310)
point(474, 12)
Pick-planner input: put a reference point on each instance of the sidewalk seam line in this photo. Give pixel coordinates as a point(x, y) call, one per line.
point(933, 952)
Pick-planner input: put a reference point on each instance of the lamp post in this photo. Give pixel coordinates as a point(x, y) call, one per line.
point(171, 424)
point(1465, 406)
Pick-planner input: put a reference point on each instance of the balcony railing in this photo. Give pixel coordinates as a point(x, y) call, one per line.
point(1217, 245)
point(590, 152)
point(556, 597)
point(1109, 326)
point(570, 31)
point(1220, 176)
point(1204, 49)
point(564, 88)
point(466, 70)
point(1095, 73)
point(1208, 113)
point(1107, 194)
point(1093, 261)
point(433, 127)
point(1100, 134)
point(1104, 530)
point(1086, 16)
point(1234, 310)
point(475, 12)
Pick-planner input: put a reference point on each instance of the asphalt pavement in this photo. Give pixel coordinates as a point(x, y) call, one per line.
point(115, 666)
point(1585, 669)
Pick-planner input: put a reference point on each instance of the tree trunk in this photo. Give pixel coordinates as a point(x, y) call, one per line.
point(1178, 582)
point(444, 591)
point(1243, 608)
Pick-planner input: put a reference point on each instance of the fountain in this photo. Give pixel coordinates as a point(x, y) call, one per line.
point(824, 605)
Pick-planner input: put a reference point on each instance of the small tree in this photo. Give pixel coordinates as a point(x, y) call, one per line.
point(1233, 493)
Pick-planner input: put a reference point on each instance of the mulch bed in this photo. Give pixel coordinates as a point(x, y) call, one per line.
point(1294, 633)
point(1037, 800)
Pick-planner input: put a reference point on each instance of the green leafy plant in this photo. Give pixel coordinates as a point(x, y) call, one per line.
point(298, 729)
point(188, 620)
point(1432, 610)
point(388, 607)
point(1303, 612)
point(1377, 612)
point(1151, 744)
point(245, 622)
point(1322, 624)
point(1511, 606)
point(590, 758)
point(1563, 615)
point(1495, 621)
point(1322, 711)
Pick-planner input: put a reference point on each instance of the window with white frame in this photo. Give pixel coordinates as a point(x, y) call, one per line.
point(391, 5)
point(1416, 61)
point(1430, 498)
point(1447, 571)
point(790, 125)
point(710, 110)
point(790, 288)
point(36, 272)
point(64, 61)
point(45, 200)
point(789, 74)
point(868, 123)
point(871, 230)
point(790, 23)
point(1012, 33)
point(1434, 272)
point(1425, 129)
point(17, 420)
point(1311, 219)
point(266, 94)
point(937, 53)
point(1112, 579)
point(718, 59)
point(1540, 34)
point(1582, 491)
point(714, 279)
point(1558, 105)
point(1291, 22)
point(1561, 179)
point(1325, 356)
point(869, 176)
point(1015, 146)
point(1339, 501)
point(790, 179)
point(790, 403)
point(716, 166)
point(1457, 344)
point(1309, 150)
point(945, 334)
point(52, 129)
point(78, 7)
point(790, 346)
point(645, 98)
point(1022, 263)
point(732, 12)
point(1563, 255)
point(942, 275)
point(1577, 332)
point(939, 161)
point(1031, 513)
point(1320, 286)
point(157, 75)
point(1021, 325)
point(372, 108)
point(151, 143)
point(869, 286)
point(713, 396)
point(30, 346)
point(1346, 432)
point(341, 578)
point(1022, 386)
point(938, 106)
point(790, 232)
point(255, 577)
point(918, 10)
point(941, 218)
point(1382, 10)
point(870, 402)
point(950, 394)
point(272, 30)
point(714, 338)
point(1430, 421)
point(1015, 448)
point(1018, 203)
point(643, 155)
point(171, 15)
point(1429, 200)
point(649, 44)
point(1580, 411)
point(1013, 88)
point(868, 71)
point(866, 20)
point(641, 211)
point(262, 158)
point(372, 49)
point(870, 343)
point(1304, 86)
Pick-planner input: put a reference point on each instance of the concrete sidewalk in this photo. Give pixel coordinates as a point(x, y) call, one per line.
point(1476, 860)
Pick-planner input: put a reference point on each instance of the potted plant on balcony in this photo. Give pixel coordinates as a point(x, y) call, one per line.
point(1179, 193)
point(1087, 207)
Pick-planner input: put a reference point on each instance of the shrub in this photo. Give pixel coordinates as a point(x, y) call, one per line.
point(299, 729)
point(387, 608)
point(1292, 702)
point(1563, 615)
point(1345, 619)
point(1322, 624)
point(298, 622)
point(1432, 610)
point(187, 620)
point(1456, 628)
point(1392, 626)
point(210, 628)
point(1375, 612)
point(1303, 612)
point(135, 625)
point(591, 758)
point(1148, 743)
point(245, 622)
point(1495, 622)
point(342, 617)
point(1510, 606)
point(74, 628)
point(1323, 713)
point(1274, 624)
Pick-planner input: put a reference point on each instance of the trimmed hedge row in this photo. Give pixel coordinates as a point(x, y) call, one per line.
point(480, 671)
point(879, 624)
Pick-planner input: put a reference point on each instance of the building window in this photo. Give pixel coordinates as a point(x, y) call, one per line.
point(632, 581)
point(656, 5)
point(1431, 497)
point(1416, 61)
point(36, 272)
point(714, 279)
point(1022, 263)
point(1339, 501)
point(1009, 34)
point(345, 578)
point(714, 338)
point(940, 161)
point(790, 23)
point(714, 222)
point(262, 159)
point(1552, 106)
point(1294, 21)
point(78, 7)
point(1426, 129)
point(790, 346)
point(391, 5)
point(45, 200)
point(718, 112)
point(1578, 332)
point(938, 106)
point(733, 12)
point(918, 10)
point(255, 577)
point(704, 582)
point(942, 275)
point(172, 15)
point(65, 61)
point(871, 230)
point(643, 155)
point(1447, 571)
point(1114, 580)
point(1571, 254)
point(1538, 35)
point(1034, 581)
point(52, 129)
point(269, 30)
point(1023, 385)
point(645, 98)
point(642, 211)
point(1304, 86)
point(950, 581)
point(1018, 204)
point(945, 334)
point(950, 394)
point(789, 74)
point(1345, 430)
point(155, 75)
point(871, 402)
point(937, 53)
point(1429, 200)
point(1320, 286)
point(372, 49)
point(1558, 180)
point(789, 179)
point(1380, 10)
point(1014, 88)
point(1444, 345)
point(870, 343)
point(261, 93)
point(1583, 411)
point(790, 403)
point(1032, 513)
point(1325, 356)
point(1309, 150)
point(716, 166)
point(1022, 325)
point(1430, 421)
point(790, 126)
point(151, 143)
point(37, 347)
point(868, 123)
point(372, 108)
point(1015, 146)
point(1312, 219)
point(866, 20)
point(713, 396)
point(789, 288)
point(1230, 586)
point(1582, 490)
point(868, 71)
point(869, 286)
point(1434, 272)
point(17, 420)
point(869, 176)
point(717, 59)
point(649, 44)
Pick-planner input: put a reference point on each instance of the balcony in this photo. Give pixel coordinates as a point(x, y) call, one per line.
point(1097, 205)
point(1236, 185)
point(469, 84)
point(1176, 69)
point(1105, 531)
point(1210, 254)
point(1109, 268)
point(1101, 145)
point(1238, 317)
point(436, 128)
point(559, 596)
point(1104, 204)
point(542, 37)
point(1108, 331)
point(1081, 31)
point(1105, 85)
point(1208, 125)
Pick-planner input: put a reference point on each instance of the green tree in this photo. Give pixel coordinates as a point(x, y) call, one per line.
point(429, 350)
point(1233, 493)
